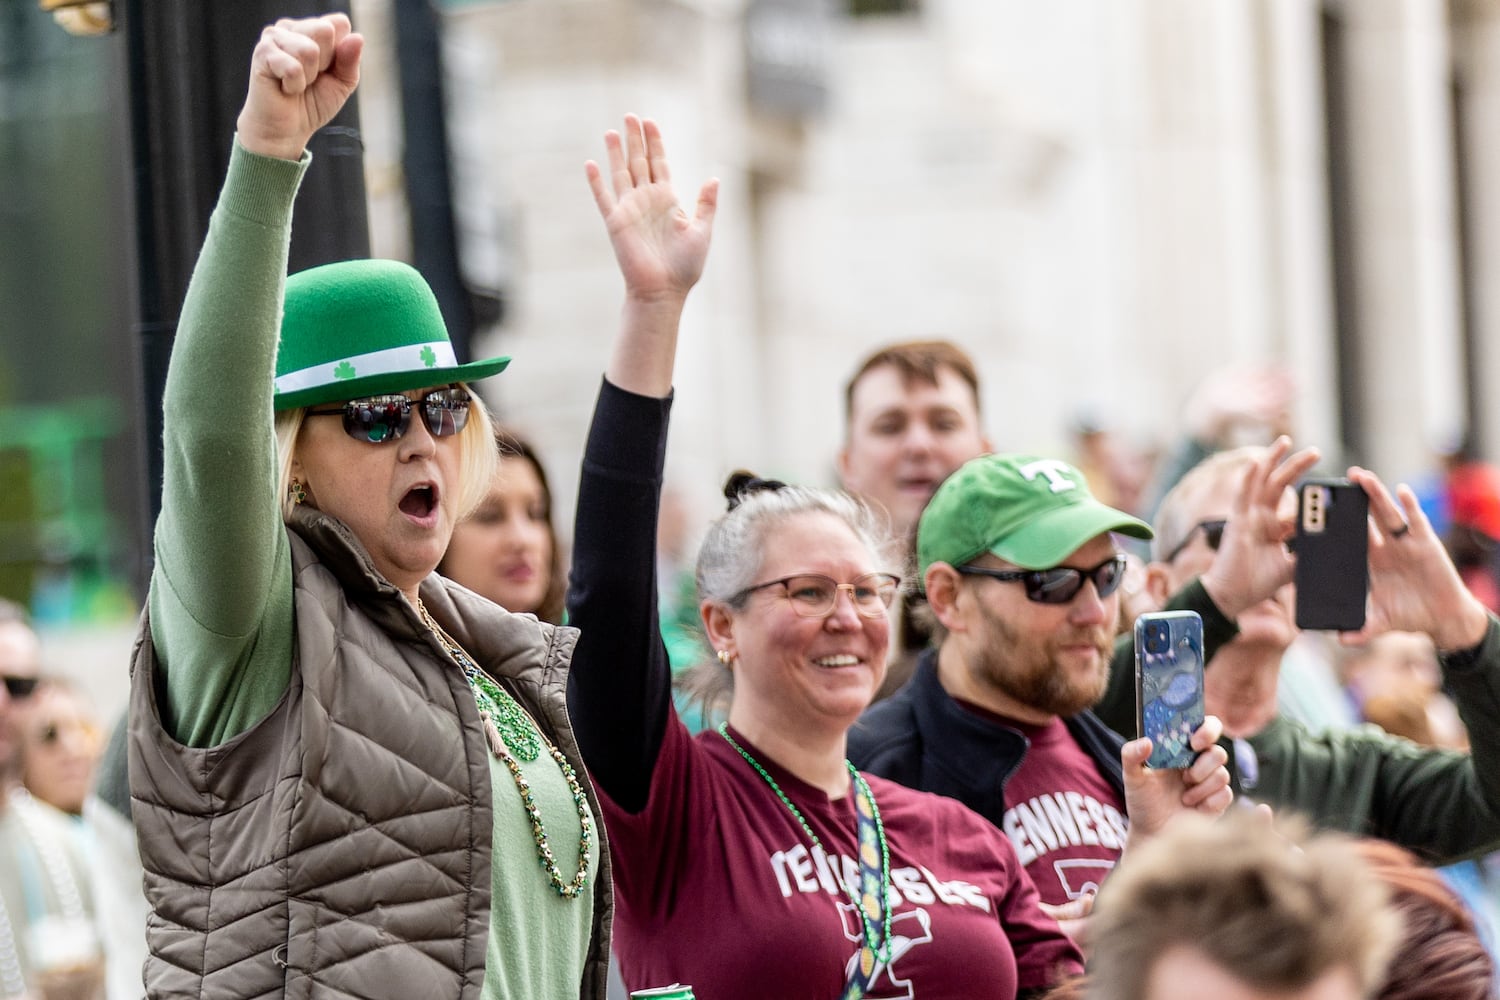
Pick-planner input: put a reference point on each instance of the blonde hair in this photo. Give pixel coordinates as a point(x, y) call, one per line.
point(477, 458)
point(1275, 909)
point(1174, 517)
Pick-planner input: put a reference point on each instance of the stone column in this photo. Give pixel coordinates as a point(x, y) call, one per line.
point(1477, 55)
point(1404, 243)
point(1297, 204)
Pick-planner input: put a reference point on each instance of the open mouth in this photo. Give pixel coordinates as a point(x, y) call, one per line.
point(420, 501)
point(844, 660)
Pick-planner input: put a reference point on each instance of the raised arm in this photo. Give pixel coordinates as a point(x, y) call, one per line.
point(619, 688)
point(659, 249)
point(1414, 586)
point(220, 599)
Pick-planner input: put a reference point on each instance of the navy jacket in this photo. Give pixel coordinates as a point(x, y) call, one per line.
point(924, 739)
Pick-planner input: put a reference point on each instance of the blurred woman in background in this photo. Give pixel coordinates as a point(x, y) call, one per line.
point(507, 549)
point(60, 746)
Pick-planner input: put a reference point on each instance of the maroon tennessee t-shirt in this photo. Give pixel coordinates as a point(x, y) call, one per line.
point(718, 886)
point(1065, 819)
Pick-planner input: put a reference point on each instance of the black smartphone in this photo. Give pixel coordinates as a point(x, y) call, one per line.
point(1332, 546)
point(1169, 684)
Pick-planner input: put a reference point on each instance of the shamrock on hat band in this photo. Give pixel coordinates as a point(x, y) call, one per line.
point(409, 357)
point(358, 328)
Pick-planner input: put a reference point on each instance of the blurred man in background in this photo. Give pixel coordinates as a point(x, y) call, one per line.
point(912, 417)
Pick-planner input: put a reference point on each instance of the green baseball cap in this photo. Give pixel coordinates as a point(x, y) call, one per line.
point(364, 328)
point(1030, 511)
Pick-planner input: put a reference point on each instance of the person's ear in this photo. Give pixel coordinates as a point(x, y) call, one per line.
point(718, 626)
point(944, 587)
point(1158, 583)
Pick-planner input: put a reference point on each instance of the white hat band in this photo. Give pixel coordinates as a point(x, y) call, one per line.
point(407, 358)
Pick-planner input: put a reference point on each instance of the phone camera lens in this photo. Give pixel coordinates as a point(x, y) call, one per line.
point(1157, 639)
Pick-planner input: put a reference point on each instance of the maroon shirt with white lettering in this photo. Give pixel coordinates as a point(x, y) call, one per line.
point(1065, 819)
point(718, 886)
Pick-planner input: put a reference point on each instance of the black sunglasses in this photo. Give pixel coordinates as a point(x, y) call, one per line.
point(1213, 534)
point(20, 687)
point(1060, 584)
point(384, 418)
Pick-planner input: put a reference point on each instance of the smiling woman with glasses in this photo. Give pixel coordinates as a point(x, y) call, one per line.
point(755, 861)
point(368, 769)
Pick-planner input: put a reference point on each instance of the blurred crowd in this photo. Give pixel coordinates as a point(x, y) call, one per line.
point(388, 739)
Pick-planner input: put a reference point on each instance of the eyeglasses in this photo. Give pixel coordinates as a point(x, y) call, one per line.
point(20, 687)
point(1213, 534)
point(1060, 584)
point(813, 595)
point(384, 418)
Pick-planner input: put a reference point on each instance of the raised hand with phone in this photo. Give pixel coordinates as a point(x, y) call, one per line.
point(1414, 586)
point(1222, 552)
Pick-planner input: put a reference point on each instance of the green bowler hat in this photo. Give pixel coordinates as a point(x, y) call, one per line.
point(364, 328)
point(1030, 511)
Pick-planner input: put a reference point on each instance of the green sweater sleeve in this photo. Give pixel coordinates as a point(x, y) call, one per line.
point(1442, 804)
point(221, 589)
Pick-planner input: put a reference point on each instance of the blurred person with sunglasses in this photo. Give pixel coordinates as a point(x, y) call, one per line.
point(60, 745)
point(349, 776)
point(49, 941)
point(1442, 804)
point(1022, 572)
point(753, 861)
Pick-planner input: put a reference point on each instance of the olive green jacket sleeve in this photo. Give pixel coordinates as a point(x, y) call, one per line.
point(221, 589)
point(1117, 707)
point(1442, 804)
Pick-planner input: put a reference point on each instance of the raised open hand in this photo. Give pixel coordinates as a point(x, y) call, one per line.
point(659, 247)
point(301, 73)
point(1253, 563)
point(1414, 586)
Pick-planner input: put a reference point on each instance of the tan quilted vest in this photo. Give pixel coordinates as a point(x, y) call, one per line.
point(341, 846)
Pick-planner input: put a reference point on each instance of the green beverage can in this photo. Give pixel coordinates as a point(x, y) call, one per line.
point(674, 992)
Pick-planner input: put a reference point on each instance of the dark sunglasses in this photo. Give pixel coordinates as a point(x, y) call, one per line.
point(1213, 534)
point(20, 687)
point(384, 418)
point(1060, 584)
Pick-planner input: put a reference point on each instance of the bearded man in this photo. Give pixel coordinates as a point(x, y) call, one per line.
point(1022, 571)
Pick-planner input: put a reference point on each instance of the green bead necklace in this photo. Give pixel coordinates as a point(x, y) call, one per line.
point(878, 947)
point(511, 734)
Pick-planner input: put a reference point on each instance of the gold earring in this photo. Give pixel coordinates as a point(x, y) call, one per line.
point(296, 491)
point(724, 657)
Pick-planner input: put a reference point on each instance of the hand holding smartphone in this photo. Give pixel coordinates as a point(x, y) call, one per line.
point(1332, 546)
point(1169, 684)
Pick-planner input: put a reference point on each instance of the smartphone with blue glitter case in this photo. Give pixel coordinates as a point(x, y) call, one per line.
point(1169, 684)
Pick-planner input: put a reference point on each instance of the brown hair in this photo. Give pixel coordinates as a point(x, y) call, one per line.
point(513, 445)
point(1274, 909)
point(1439, 955)
point(917, 361)
point(510, 445)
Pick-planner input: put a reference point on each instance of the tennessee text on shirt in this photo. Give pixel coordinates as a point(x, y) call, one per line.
point(1053, 822)
point(808, 870)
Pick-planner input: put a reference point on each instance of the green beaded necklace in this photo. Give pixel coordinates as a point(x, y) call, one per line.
point(878, 947)
point(511, 734)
